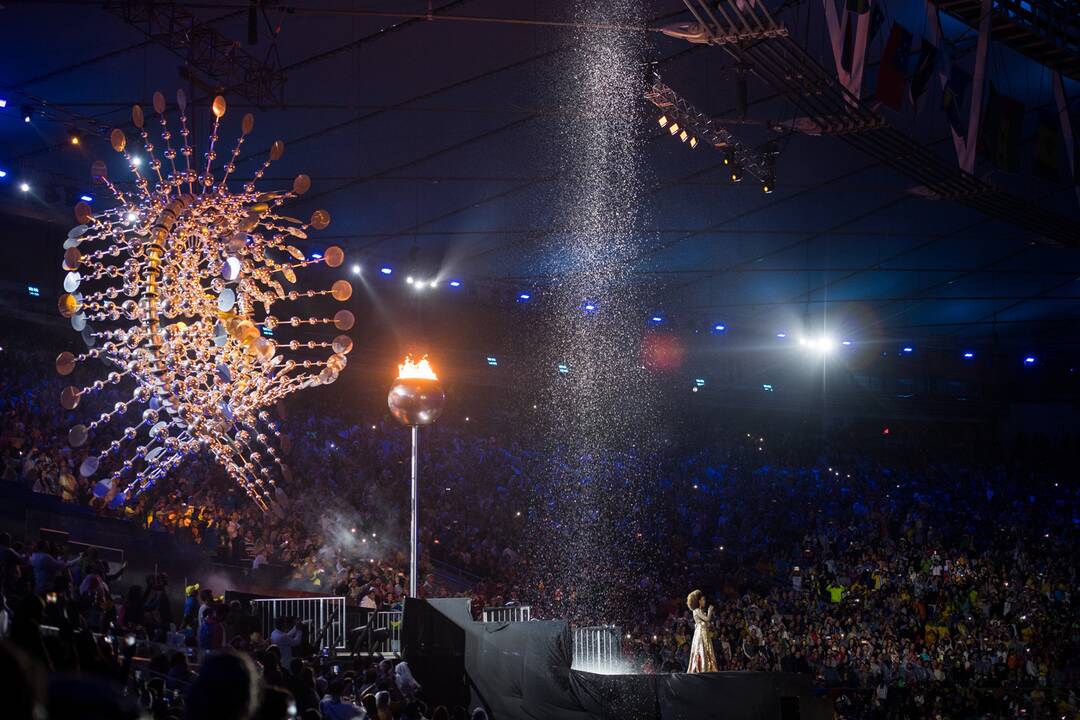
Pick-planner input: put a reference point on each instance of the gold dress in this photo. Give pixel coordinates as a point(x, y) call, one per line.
point(702, 657)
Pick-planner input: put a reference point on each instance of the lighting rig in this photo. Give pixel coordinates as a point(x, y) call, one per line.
point(690, 125)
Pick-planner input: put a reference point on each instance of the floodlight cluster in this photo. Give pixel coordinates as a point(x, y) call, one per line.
point(179, 290)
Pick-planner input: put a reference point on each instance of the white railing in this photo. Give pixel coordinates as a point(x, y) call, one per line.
point(512, 613)
point(389, 620)
point(328, 612)
point(598, 649)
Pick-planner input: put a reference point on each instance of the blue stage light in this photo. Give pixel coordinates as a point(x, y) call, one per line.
point(781, 335)
point(524, 297)
point(385, 270)
point(3, 173)
point(33, 290)
point(86, 198)
point(563, 368)
point(316, 256)
point(908, 349)
point(700, 382)
point(969, 355)
point(492, 361)
point(766, 387)
point(1029, 360)
point(590, 307)
point(3, 102)
point(657, 319)
point(846, 342)
point(455, 283)
point(267, 331)
point(719, 327)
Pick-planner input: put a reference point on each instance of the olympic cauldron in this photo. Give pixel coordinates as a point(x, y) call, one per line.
point(416, 397)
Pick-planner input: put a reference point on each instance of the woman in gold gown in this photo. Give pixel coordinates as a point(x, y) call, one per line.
point(702, 656)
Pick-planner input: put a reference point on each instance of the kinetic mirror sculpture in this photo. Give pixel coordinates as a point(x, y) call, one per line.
point(416, 398)
point(179, 290)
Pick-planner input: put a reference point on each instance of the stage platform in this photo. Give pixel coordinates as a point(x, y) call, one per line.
point(523, 671)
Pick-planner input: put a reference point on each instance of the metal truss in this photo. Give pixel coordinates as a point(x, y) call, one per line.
point(204, 48)
point(798, 77)
point(701, 126)
point(1047, 31)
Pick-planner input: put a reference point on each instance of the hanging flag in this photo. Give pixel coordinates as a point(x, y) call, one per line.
point(858, 6)
point(1000, 134)
point(877, 19)
point(892, 73)
point(847, 50)
point(952, 97)
point(924, 70)
point(1047, 147)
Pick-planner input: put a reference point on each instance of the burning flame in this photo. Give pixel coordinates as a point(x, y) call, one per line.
point(421, 369)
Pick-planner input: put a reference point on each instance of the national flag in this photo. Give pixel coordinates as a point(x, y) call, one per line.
point(1047, 147)
point(1002, 126)
point(892, 73)
point(924, 70)
point(847, 50)
point(952, 97)
point(858, 6)
point(877, 19)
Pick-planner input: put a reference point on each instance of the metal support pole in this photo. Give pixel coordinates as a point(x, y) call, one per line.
point(414, 525)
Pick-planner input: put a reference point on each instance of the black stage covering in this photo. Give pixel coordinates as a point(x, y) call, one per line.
point(522, 671)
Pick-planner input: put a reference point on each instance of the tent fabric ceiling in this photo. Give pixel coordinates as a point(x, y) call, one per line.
point(438, 137)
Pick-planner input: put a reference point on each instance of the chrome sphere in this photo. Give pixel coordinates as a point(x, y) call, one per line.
point(416, 401)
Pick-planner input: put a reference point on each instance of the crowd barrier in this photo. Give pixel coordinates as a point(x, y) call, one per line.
point(513, 613)
point(389, 620)
point(597, 649)
point(320, 613)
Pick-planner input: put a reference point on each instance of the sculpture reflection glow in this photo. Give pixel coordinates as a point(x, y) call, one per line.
point(179, 290)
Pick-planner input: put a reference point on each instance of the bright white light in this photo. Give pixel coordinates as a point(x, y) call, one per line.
point(131, 217)
point(136, 160)
point(455, 283)
point(409, 280)
point(25, 187)
point(433, 283)
point(3, 173)
point(355, 269)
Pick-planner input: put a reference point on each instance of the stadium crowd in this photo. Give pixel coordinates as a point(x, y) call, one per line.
point(913, 577)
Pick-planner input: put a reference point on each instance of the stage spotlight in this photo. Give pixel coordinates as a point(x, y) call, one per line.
point(719, 328)
point(386, 270)
point(729, 156)
point(663, 121)
point(1029, 360)
point(355, 269)
point(907, 350)
point(674, 129)
point(27, 113)
point(693, 143)
point(684, 136)
point(766, 187)
point(409, 280)
point(969, 355)
point(590, 307)
point(3, 173)
point(846, 343)
point(33, 291)
point(781, 335)
point(492, 361)
point(73, 137)
point(433, 284)
point(86, 198)
point(136, 160)
point(657, 319)
point(563, 368)
point(3, 103)
point(455, 283)
point(131, 217)
point(24, 187)
point(524, 297)
point(736, 173)
point(316, 256)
